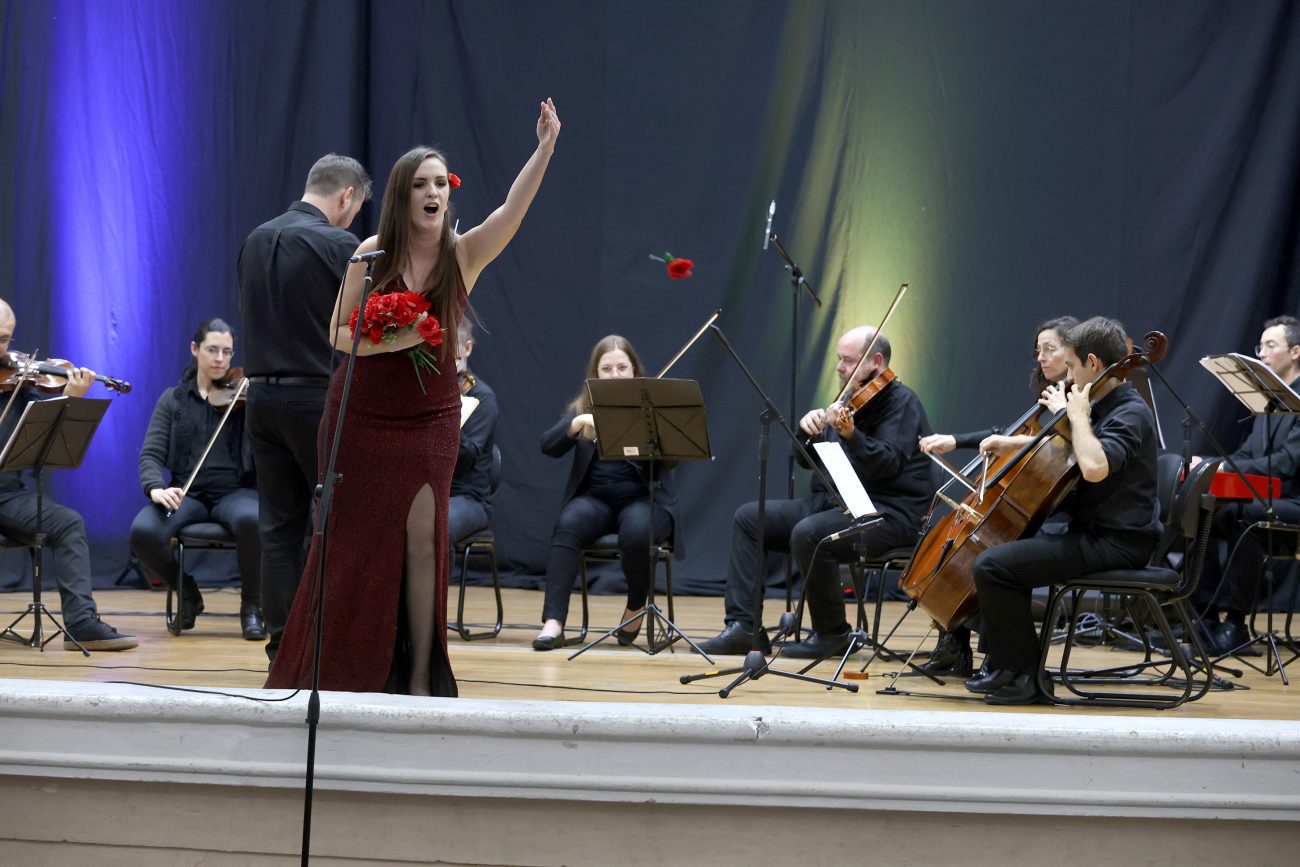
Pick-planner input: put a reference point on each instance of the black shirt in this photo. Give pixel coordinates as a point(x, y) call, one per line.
point(1124, 501)
point(474, 460)
point(289, 275)
point(1273, 448)
point(884, 451)
point(181, 425)
point(14, 481)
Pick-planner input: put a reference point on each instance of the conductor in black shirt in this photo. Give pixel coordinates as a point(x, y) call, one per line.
point(1114, 517)
point(290, 270)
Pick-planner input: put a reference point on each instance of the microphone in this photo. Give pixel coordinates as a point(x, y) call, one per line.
point(366, 257)
point(847, 531)
point(767, 233)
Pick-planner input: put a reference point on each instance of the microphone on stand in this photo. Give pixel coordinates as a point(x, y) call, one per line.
point(767, 233)
point(366, 257)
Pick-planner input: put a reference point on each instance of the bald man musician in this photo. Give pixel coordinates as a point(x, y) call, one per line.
point(881, 442)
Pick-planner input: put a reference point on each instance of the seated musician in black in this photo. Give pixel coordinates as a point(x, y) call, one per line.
point(470, 508)
point(952, 653)
point(223, 492)
point(64, 528)
point(881, 442)
point(1232, 592)
point(1114, 514)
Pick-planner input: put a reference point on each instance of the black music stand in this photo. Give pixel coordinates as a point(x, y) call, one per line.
point(51, 434)
point(650, 420)
point(1263, 393)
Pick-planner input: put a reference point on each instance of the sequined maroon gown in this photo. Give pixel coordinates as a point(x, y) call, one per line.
point(396, 439)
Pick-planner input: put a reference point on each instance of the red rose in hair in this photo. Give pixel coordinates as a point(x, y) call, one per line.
point(453, 180)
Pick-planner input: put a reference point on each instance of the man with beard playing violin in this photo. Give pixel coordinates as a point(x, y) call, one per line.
point(880, 441)
point(64, 529)
point(1114, 515)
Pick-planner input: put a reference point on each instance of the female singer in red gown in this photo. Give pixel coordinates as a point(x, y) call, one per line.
point(385, 621)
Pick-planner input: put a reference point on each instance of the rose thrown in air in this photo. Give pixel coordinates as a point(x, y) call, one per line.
point(678, 269)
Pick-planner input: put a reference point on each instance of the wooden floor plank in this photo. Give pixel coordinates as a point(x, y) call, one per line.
point(213, 655)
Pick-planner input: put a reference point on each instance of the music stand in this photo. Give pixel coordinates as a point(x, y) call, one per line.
point(1263, 393)
point(51, 434)
point(651, 420)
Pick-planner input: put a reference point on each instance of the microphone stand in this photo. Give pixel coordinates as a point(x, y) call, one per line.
point(325, 501)
point(797, 282)
point(756, 664)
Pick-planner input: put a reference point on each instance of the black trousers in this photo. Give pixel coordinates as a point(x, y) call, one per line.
point(796, 526)
point(583, 520)
point(152, 532)
point(282, 422)
point(65, 538)
point(1233, 585)
point(465, 515)
point(1006, 576)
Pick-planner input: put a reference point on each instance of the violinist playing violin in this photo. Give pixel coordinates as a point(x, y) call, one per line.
point(470, 508)
point(1114, 516)
point(881, 442)
point(64, 528)
point(184, 421)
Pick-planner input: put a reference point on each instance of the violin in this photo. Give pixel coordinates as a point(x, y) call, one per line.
point(467, 381)
point(17, 368)
point(228, 389)
point(1022, 489)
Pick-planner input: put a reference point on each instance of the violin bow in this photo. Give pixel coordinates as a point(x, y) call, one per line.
point(194, 473)
point(871, 344)
point(690, 343)
point(26, 371)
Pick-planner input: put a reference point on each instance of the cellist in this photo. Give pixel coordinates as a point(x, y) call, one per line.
point(881, 442)
point(1114, 514)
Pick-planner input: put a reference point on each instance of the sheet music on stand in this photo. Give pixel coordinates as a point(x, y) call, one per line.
point(1253, 383)
point(846, 480)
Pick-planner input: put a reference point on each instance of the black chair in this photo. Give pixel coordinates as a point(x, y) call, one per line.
point(482, 544)
point(605, 550)
point(202, 536)
point(1186, 674)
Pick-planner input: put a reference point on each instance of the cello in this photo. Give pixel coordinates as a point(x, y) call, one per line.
point(1022, 489)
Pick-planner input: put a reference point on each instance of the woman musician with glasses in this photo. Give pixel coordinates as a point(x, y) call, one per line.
point(195, 426)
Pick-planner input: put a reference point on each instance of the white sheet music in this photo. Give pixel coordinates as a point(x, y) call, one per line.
point(846, 480)
point(467, 406)
point(1252, 382)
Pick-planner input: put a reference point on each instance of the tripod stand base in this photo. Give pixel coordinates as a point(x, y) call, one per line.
point(37, 610)
point(755, 666)
point(653, 614)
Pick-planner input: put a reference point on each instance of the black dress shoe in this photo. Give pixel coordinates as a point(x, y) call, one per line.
point(951, 656)
point(191, 605)
point(988, 681)
point(819, 646)
point(1021, 689)
point(736, 639)
point(1228, 636)
point(548, 642)
point(250, 621)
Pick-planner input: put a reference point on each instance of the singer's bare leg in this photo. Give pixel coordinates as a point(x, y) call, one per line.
point(421, 570)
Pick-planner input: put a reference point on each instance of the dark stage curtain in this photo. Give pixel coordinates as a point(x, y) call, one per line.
point(1012, 161)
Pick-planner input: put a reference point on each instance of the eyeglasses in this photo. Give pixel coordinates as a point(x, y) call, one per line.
point(218, 352)
point(1269, 346)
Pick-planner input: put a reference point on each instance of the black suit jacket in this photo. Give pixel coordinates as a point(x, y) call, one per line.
point(1278, 454)
point(556, 443)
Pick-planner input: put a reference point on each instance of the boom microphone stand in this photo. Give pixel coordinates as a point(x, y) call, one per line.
point(756, 664)
point(324, 502)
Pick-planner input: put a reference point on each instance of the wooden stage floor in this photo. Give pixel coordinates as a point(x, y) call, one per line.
point(213, 655)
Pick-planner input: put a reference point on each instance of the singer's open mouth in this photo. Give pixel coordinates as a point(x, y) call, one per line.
point(431, 208)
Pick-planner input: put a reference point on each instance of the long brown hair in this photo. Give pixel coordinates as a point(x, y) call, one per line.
point(582, 401)
point(445, 292)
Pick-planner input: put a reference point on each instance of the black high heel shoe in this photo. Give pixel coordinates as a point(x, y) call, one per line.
point(628, 638)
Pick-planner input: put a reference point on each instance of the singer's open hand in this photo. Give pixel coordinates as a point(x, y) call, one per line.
point(548, 125)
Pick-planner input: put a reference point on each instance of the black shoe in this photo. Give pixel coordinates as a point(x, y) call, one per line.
point(1021, 689)
point(1227, 637)
point(627, 638)
point(736, 640)
point(548, 642)
point(250, 620)
point(819, 646)
point(989, 679)
point(191, 604)
point(951, 656)
point(95, 634)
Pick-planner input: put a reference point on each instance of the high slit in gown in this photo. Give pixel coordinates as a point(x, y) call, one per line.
point(396, 439)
